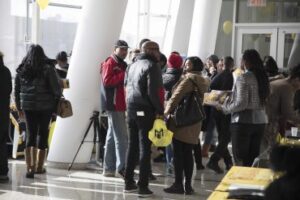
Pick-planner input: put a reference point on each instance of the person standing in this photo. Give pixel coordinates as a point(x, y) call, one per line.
point(62, 64)
point(185, 137)
point(223, 82)
point(280, 106)
point(37, 92)
point(144, 100)
point(247, 108)
point(5, 90)
point(113, 102)
point(170, 78)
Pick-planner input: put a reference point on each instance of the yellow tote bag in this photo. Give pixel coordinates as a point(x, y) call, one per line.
point(52, 127)
point(159, 134)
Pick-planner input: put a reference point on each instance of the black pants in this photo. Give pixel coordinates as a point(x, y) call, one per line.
point(4, 123)
point(224, 137)
point(183, 161)
point(37, 125)
point(246, 140)
point(139, 143)
point(197, 153)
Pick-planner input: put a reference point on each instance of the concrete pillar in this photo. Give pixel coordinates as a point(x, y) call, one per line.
point(99, 28)
point(204, 28)
point(178, 40)
point(35, 23)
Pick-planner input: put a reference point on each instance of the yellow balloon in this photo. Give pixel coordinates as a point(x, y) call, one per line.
point(227, 27)
point(43, 4)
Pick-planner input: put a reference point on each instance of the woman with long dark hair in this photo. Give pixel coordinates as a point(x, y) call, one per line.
point(247, 108)
point(185, 137)
point(37, 92)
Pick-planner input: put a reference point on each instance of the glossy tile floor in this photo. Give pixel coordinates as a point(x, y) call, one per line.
point(88, 184)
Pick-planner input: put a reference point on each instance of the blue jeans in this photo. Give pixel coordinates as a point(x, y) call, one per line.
point(116, 142)
point(169, 156)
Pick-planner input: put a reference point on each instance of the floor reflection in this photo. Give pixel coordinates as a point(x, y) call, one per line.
point(90, 184)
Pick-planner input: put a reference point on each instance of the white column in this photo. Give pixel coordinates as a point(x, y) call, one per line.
point(204, 28)
point(178, 38)
point(35, 23)
point(99, 28)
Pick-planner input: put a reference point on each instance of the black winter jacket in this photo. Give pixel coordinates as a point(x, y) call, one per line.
point(5, 85)
point(144, 88)
point(39, 94)
point(222, 81)
point(170, 78)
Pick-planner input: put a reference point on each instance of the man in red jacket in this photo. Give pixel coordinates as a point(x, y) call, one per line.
point(113, 102)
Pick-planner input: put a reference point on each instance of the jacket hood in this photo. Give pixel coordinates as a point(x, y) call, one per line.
point(173, 70)
point(144, 56)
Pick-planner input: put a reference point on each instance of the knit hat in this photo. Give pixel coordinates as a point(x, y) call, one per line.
point(175, 61)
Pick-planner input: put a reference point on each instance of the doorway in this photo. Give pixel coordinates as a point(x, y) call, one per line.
point(276, 41)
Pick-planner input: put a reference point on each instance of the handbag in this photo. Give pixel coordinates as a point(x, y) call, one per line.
point(159, 135)
point(64, 108)
point(190, 110)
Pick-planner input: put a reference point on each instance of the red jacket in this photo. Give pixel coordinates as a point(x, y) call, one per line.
point(112, 77)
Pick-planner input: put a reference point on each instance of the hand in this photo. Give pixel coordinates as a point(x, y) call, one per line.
point(21, 114)
point(218, 107)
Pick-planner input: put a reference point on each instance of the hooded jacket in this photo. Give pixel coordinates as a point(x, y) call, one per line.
point(40, 93)
point(144, 87)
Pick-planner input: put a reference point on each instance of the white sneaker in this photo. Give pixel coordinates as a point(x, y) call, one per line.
point(108, 174)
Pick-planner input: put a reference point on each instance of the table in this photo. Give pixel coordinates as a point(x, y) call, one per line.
point(242, 175)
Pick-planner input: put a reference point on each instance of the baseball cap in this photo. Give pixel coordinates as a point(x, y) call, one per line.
point(121, 44)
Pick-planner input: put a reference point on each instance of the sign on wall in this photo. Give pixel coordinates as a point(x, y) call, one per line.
point(257, 3)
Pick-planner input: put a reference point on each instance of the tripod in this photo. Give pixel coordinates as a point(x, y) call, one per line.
point(96, 125)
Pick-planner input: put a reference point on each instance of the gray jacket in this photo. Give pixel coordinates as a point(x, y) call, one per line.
point(244, 104)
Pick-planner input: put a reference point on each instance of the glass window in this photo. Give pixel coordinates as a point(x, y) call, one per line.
point(157, 28)
point(58, 29)
point(68, 2)
point(130, 29)
point(146, 19)
point(224, 37)
point(289, 40)
point(159, 7)
point(273, 11)
point(12, 37)
point(260, 42)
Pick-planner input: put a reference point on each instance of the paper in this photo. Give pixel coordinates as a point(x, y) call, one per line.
point(215, 97)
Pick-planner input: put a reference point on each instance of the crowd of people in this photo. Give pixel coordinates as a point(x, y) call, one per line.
point(150, 86)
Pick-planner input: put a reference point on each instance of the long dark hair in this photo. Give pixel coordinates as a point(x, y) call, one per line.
point(255, 65)
point(197, 63)
point(270, 66)
point(33, 63)
point(1, 59)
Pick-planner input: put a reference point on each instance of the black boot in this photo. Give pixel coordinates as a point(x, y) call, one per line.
point(228, 162)
point(188, 189)
point(214, 166)
point(176, 188)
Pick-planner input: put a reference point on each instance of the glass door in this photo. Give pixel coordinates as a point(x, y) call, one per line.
point(264, 40)
point(288, 47)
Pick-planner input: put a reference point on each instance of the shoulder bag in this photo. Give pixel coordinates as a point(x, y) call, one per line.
point(190, 110)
